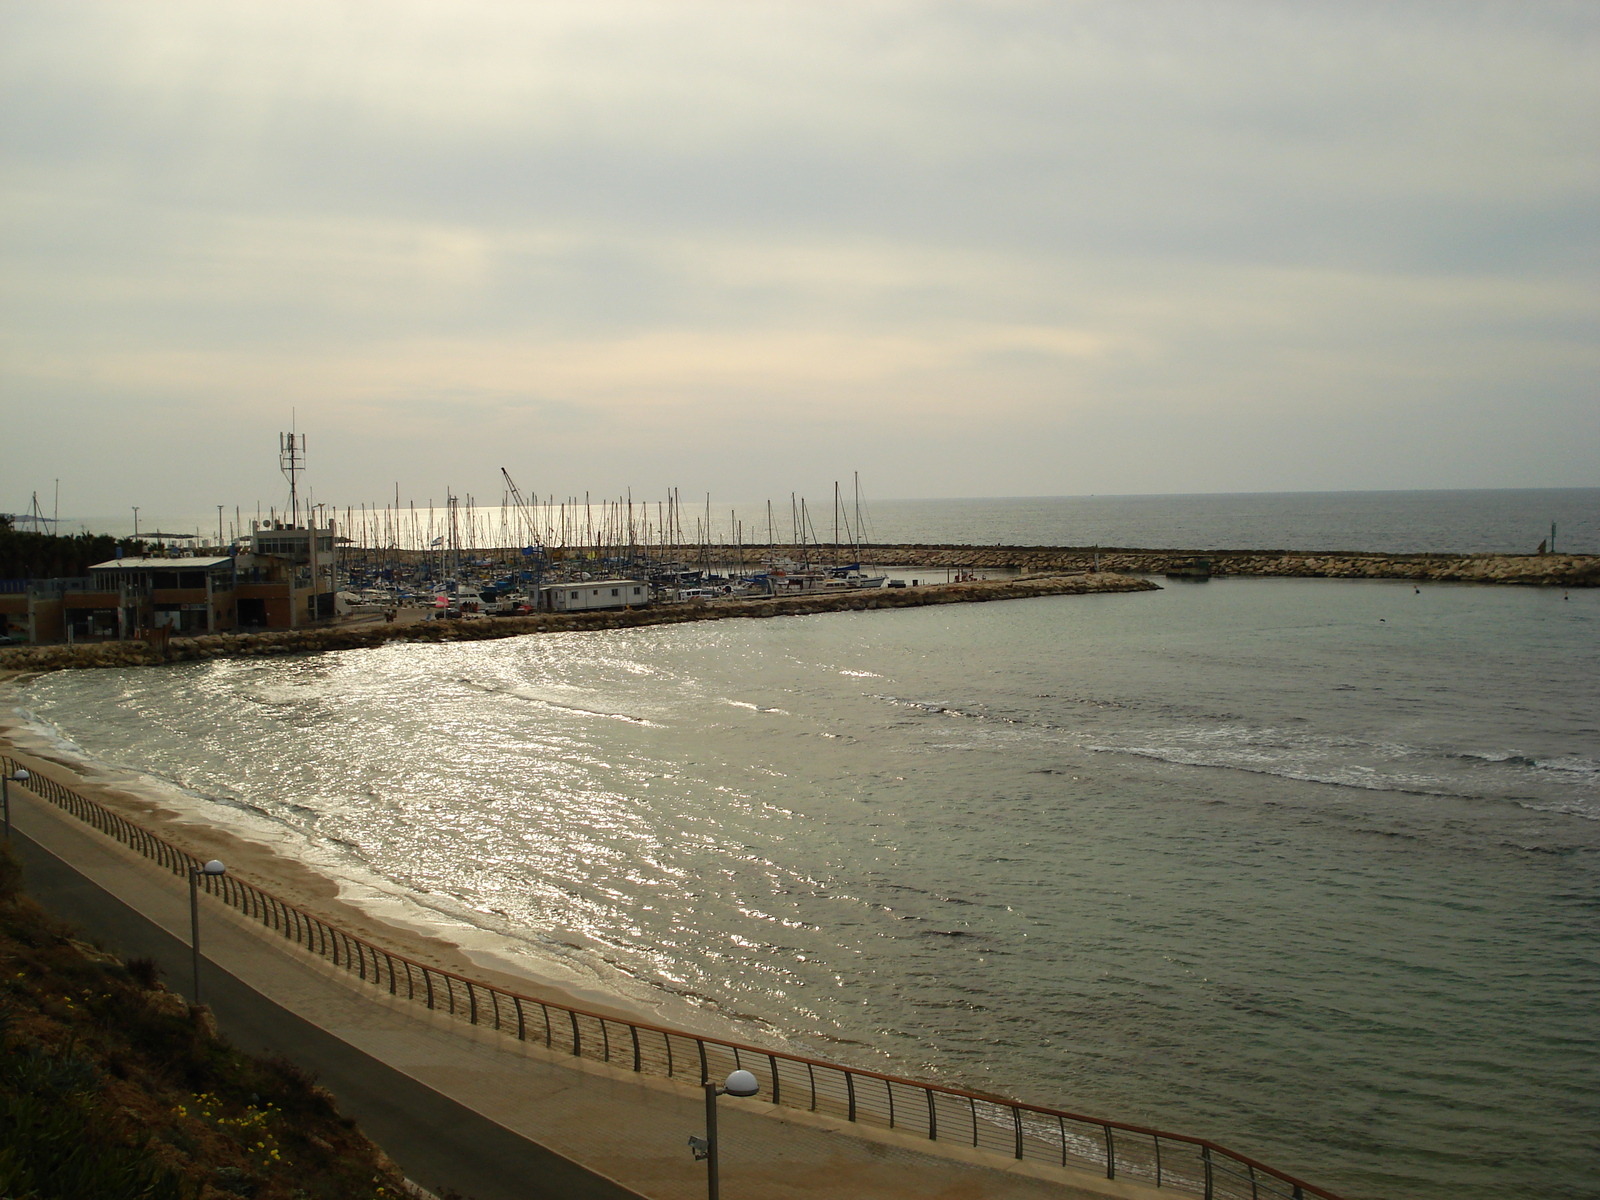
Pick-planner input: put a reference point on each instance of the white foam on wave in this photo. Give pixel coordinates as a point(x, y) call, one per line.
point(760, 708)
point(1390, 766)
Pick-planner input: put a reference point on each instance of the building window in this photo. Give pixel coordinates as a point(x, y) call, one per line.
point(615, 592)
point(574, 595)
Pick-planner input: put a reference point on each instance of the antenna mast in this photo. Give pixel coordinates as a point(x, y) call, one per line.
point(291, 461)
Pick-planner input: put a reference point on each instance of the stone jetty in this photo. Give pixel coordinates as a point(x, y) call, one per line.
point(352, 637)
point(1540, 570)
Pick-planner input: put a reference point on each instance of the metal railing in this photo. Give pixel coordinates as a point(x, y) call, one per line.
point(1025, 1132)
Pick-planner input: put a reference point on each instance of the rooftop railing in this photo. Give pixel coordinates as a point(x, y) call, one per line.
point(1004, 1128)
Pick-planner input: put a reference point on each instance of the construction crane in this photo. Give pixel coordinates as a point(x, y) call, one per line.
point(523, 507)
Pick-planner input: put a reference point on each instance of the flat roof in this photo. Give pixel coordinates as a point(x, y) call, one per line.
point(593, 583)
point(161, 564)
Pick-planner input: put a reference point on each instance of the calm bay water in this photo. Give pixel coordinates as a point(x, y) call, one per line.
point(1305, 866)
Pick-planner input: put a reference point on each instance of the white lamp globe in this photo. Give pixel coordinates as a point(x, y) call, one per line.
point(742, 1083)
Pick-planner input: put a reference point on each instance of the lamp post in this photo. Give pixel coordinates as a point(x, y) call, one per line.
point(211, 868)
point(6, 781)
point(740, 1083)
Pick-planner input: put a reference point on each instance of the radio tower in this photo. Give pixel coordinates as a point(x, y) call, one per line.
point(291, 461)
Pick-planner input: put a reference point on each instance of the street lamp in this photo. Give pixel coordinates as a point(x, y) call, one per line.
point(211, 868)
point(740, 1083)
point(6, 781)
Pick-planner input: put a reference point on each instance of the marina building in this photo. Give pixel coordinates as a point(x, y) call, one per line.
point(591, 594)
point(181, 595)
point(287, 575)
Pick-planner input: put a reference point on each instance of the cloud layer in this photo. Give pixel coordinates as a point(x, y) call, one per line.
point(981, 248)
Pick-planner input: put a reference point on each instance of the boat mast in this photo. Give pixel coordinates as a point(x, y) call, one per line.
point(858, 516)
point(836, 522)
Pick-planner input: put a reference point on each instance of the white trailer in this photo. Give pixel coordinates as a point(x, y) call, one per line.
point(592, 594)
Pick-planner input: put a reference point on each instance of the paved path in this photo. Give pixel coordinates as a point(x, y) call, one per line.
point(472, 1110)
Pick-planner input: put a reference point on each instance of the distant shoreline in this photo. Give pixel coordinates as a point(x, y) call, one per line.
point(34, 659)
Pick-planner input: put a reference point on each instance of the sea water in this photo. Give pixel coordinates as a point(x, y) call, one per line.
point(1307, 867)
point(1498, 521)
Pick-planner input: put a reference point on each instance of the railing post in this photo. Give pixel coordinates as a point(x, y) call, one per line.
point(1111, 1154)
point(522, 1029)
point(1157, 1140)
point(576, 1044)
point(472, 1002)
point(633, 1031)
point(427, 978)
point(1205, 1161)
point(933, 1116)
point(772, 1061)
point(1016, 1124)
point(705, 1075)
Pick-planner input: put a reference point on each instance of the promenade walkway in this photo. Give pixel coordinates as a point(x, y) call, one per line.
point(478, 1112)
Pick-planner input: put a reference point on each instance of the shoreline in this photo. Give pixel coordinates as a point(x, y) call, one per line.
point(35, 659)
point(321, 894)
point(432, 935)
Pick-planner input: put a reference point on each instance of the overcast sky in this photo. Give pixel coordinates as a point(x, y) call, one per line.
point(969, 249)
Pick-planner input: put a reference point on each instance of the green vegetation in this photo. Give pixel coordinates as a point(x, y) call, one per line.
point(111, 1088)
point(25, 555)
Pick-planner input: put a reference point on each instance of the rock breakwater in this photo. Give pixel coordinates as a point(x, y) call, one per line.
point(1539, 570)
point(352, 637)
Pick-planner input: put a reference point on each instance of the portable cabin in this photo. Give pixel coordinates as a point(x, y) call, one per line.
point(589, 594)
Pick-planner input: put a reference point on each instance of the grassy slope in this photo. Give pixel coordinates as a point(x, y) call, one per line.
point(112, 1089)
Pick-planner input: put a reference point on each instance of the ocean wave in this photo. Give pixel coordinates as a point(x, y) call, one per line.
point(531, 697)
point(1382, 778)
point(1572, 765)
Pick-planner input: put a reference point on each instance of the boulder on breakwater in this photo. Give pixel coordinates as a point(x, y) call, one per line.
point(336, 637)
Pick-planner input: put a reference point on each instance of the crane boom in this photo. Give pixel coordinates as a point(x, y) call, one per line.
point(522, 506)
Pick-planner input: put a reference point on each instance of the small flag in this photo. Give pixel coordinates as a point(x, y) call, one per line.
point(438, 541)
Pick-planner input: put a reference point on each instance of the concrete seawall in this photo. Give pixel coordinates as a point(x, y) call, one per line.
point(336, 637)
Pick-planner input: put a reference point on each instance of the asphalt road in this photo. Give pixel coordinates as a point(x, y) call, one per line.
point(435, 1141)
